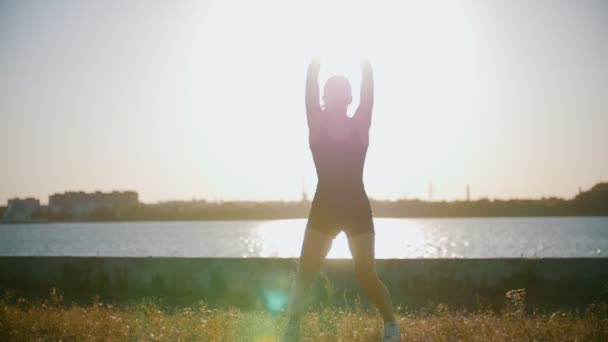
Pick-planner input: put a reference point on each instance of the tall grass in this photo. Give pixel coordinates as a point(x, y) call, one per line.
point(53, 320)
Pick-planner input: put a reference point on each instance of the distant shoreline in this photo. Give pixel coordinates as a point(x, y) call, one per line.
point(287, 218)
point(593, 202)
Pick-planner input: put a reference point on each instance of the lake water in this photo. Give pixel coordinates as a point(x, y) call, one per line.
point(395, 238)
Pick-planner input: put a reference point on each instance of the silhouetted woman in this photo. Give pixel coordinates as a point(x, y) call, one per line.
point(339, 145)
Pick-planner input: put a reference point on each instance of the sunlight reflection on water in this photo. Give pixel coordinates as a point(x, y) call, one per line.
point(284, 238)
point(395, 238)
point(446, 238)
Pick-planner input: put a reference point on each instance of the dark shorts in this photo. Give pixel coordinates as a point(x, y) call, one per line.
point(351, 214)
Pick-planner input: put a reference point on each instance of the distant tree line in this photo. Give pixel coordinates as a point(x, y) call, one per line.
point(589, 203)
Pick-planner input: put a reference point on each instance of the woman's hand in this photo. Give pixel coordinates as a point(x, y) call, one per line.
point(314, 66)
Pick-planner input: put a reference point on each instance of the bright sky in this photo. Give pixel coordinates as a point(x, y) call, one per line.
point(193, 99)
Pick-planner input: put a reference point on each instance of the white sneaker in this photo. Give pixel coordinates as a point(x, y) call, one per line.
point(391, 332)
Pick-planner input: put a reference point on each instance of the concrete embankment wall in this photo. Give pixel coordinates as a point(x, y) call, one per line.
point(414, 283)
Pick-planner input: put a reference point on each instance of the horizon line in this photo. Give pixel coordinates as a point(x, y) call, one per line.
point(267, 200)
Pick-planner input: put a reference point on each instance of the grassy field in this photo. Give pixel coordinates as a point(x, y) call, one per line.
point(52, 320)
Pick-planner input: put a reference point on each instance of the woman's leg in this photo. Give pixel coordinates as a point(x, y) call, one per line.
point(315, 247)
point(362, 248)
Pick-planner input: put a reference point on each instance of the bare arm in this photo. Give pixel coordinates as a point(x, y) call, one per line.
point(363, 115)
point(313, 108)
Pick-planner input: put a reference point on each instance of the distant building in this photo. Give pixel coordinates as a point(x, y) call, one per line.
point(79, 204)
point(20, 209)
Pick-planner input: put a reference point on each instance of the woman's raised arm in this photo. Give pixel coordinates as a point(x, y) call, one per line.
point(313, 107)
point(366, 100)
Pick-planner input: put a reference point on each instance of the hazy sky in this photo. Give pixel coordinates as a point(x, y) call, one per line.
point(192, 99)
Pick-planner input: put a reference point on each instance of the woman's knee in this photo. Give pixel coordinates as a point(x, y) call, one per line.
point(366, 276)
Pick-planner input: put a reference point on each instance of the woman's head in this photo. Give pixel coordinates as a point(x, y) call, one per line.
point(337, 94)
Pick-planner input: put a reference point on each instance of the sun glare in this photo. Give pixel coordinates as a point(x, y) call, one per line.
point(256, 57)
